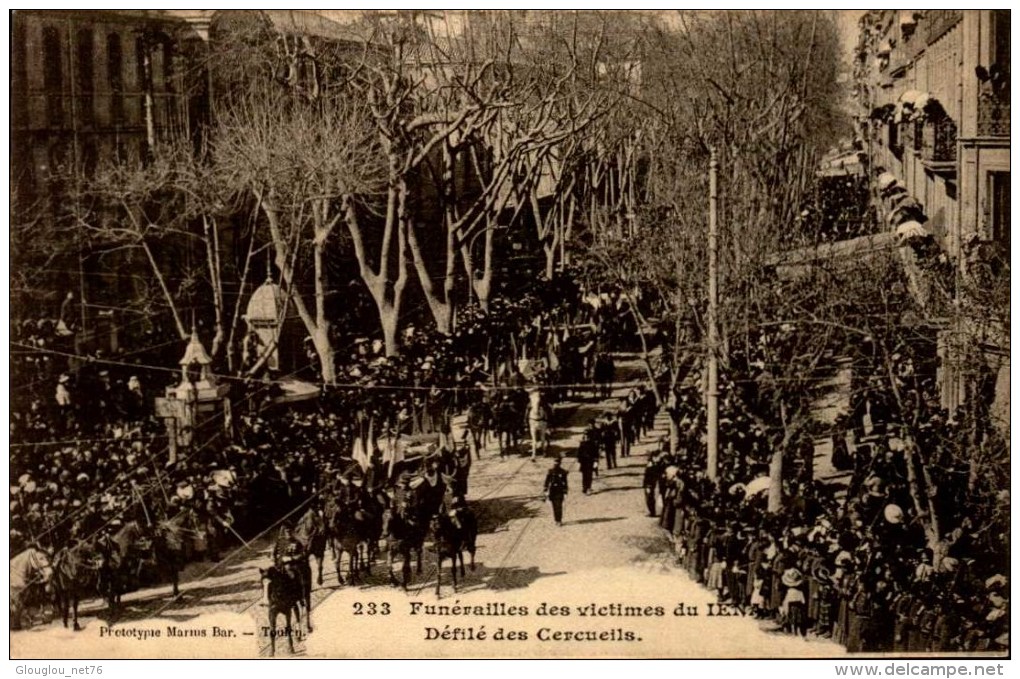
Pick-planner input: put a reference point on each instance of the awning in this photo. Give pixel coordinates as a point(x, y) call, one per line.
point(794, 263)
point(886, 180)
point(907, 209)
point(910, 96)
point(908, 231)
point(295, 391)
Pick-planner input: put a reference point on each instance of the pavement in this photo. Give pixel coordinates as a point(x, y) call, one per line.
point(602, 585)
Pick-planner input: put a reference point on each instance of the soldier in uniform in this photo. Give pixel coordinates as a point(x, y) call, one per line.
point(609, 435)
point(556, 489)
point(287, 548)
point(587, 457)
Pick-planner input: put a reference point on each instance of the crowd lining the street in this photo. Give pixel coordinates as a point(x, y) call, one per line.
point(852, 563)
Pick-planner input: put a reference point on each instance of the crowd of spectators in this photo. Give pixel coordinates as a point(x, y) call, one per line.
point(855, 561)
point(89, 454)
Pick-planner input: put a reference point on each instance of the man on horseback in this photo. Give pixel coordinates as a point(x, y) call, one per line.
point(287, 548)
point(457, 506)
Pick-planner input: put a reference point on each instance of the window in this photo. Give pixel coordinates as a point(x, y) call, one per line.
point(168, 67)
point(998, 197)
point(141, 63)
point(53, 76)
point(85, 74)
point(895, 143)
point(19, 74)
point(115, 76)
point(1000, 36)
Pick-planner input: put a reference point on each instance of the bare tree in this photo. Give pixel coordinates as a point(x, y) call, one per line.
point(305, 162)
point(166, 208)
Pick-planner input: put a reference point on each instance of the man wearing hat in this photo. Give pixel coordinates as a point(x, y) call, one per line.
point(556, 489)
point(653, 470)
point(587, 458)
point(610, 434)
point(286, 548)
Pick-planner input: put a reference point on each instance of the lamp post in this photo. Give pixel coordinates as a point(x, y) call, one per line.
point(712, 395)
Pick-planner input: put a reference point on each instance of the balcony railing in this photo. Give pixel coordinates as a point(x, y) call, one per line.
point(993, 117)
point(918, 135)
point(939, 145)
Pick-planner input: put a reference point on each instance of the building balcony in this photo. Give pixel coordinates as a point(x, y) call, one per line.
point(917, 135)
point(938, 147)
point(993, 117)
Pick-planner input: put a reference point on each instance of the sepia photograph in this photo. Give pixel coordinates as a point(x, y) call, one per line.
point(509, 334)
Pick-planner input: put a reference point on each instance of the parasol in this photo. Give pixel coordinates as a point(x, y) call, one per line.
point(759, 485)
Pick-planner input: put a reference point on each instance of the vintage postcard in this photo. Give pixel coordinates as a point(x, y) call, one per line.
point(509, 334)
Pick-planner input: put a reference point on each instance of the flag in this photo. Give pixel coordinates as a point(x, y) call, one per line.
point(393, 453)
point(360, 453)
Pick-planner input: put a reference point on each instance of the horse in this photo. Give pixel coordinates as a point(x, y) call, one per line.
point(133, 551)
point(285, 595)
point(75, 572)
point(368, 524)
point(405, 536)
point(344, 539)
point(289, 553)
point(452, 534)
point(31, 575)
point(479, 421)
point(168, 548)
point(506, 425)
point(538, 423)
point(312, 535)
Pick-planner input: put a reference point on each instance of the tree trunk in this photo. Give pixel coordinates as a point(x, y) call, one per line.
point(388, 318)
point(775, 503)
point(378, 283)
point(776, 481)
point(215, 281)
point(483, 291)
point(674, 435)
point(323, 347)
point(320, 338)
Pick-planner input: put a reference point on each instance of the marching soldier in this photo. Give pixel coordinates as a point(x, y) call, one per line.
point(556, 489)
point(587, 458)
point(609, 435)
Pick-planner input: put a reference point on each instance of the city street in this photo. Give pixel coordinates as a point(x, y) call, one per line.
point(306, 287)
point(607, 551)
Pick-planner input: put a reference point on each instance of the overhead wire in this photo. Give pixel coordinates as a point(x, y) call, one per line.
point(126, 476)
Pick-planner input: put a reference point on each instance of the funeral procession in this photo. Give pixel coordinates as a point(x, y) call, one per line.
point(509, 333)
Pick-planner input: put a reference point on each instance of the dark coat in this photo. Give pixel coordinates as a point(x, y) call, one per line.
point(556, 483)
